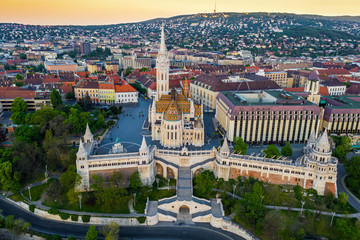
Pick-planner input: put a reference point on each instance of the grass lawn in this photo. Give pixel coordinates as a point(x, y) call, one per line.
point(153, 195)
point(17, 197)
point(36, 192)
point(88, 205)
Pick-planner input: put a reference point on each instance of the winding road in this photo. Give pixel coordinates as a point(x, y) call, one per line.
point(162, 231)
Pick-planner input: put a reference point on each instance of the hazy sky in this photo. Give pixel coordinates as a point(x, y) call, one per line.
point(87, 12)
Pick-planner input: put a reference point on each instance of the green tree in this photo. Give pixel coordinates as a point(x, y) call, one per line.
point(135, 181)
point(240, 146)
point(19, 77)
point(100, 122)
point(287, 150)
point(128, 71)
point(69, 95)
point(111, 231)
point(8, 180)
point(204, 183)
point(85, 102)
point(252, 208)
point(272, 151)
point(18, 105)
point(18, 118)
point(340, 152)
point(143, 69)
point(55, 98)
point(69, 179)
point(91, 234)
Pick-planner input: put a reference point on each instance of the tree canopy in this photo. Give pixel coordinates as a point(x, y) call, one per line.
point(55, 98)
point(272, 151)
point(287, 150)
point(240, 146)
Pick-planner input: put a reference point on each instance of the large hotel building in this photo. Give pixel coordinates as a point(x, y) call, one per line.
point(342, 114)
point(266, 116)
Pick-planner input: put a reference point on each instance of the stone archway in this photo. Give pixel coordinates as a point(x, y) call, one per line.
point(159, 169)
point(184, 214)
point(170, 173)
point(198, 171)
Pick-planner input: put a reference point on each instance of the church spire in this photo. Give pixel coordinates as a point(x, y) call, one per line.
point(162, 42)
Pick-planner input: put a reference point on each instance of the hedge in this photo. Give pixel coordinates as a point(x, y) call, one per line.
point(53, 211)
point(74, 217)
point(85, 218)
point(64, 216)
point(32, 207)
point(141, 219)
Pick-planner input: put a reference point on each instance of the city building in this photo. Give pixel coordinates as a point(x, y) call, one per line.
point(205, 88)
point(134, 62)
point(335, 87)
point(267, 116)
point(174, 120)
point(85, 48)
point(342, 114)
point(106, 92)
point(87, 87)
point(8, 94)
point(280, 77)
point(112, 67)
point(125, 93)
point(60, 66)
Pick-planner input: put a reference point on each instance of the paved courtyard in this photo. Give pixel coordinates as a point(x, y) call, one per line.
point(129, 130)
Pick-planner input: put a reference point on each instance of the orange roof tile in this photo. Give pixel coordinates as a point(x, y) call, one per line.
point(124, 88)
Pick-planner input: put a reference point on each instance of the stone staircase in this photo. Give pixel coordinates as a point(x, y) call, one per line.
point(184, 184)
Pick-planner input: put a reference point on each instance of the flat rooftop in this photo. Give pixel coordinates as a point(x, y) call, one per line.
point(339, 102)
point(256, 98)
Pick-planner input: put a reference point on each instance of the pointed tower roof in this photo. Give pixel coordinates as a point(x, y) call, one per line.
point(312, 139)
point(143, 147)
point(162, 42)
point(198, 124)
point(225, 147)
point(314, 75)
point(88, 135)
point(82, 150)
point(323, 143)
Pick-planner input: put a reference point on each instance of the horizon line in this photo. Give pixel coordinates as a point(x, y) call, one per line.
point(159, 18)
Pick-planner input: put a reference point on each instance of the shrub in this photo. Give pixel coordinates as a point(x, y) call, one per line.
point(85, 218)
point(53, 211)
point(64, 216)
point(141, 219)
point(32, 207)
point(74, 217)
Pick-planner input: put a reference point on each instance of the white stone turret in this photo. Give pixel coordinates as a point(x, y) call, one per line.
point(323, 144)
point(192, 109)
point(225, 150)
point(144, 149)
point(81, 154)
point(88, 137)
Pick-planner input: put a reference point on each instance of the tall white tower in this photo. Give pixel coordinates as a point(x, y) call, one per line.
point(162, 69)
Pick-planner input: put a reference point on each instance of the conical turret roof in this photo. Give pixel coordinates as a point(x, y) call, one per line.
point(323, 144)
point(225, 146)
point(143, 147)
point(82, 150)
point(88, 135)
point(312, 139)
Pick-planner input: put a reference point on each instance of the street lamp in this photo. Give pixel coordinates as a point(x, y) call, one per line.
point(29, 192)
point(168, 183)
point(134, 199)
point(332, 218)
point(234, 187)
point(302, 206)
point(157, 181)
point(80, 197)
